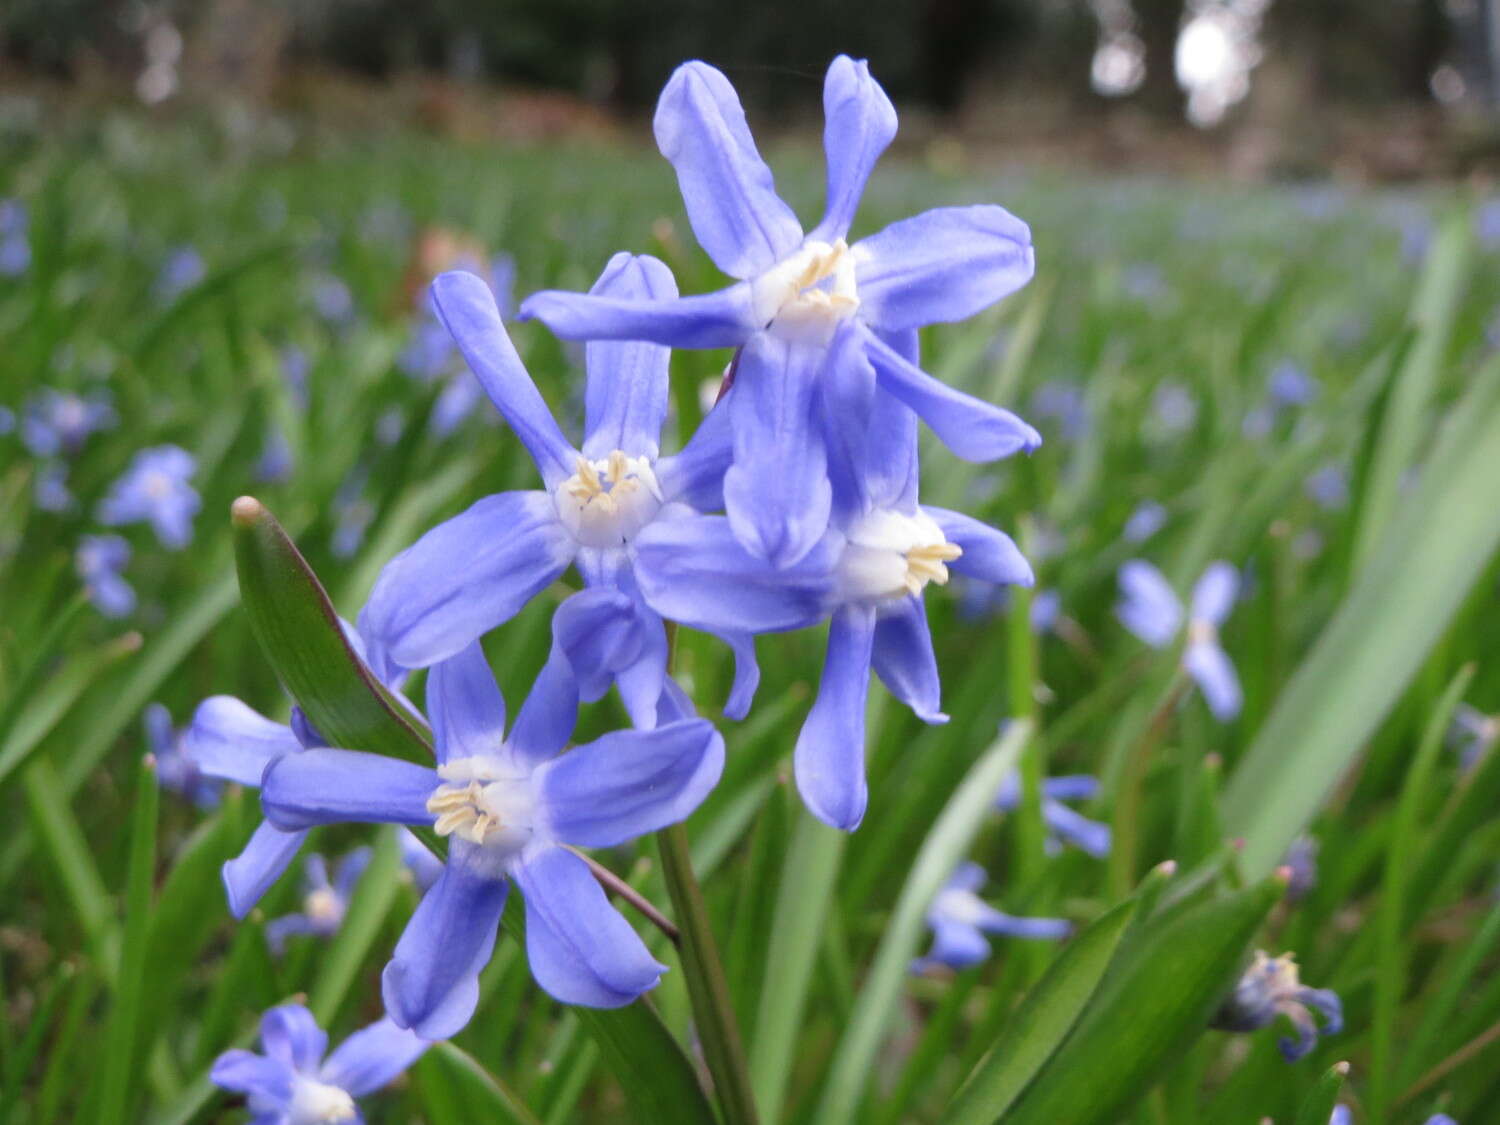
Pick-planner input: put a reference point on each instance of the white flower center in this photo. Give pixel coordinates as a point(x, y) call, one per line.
point(1201, 632)
point(324, 908)
point(890, 554)
point(318, 1103)
point(959, 906)
point(157, 485)
point(606, 502)
point(71, 414)
point(484, 800)
point(804, 297)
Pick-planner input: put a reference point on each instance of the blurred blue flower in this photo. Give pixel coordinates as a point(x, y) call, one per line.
point(1046, 607)
point(174, 769)
point(510, 805)
point(1258, 422)
point(154, 489)
point(1174, 407)
point(425, 867)
point(1270, 987)
point(796, 291)
point(324, 901)
point(295, 368)
point(1487, 223)
point(1064, 826)
point(1151, 610)
point(1291, 385)
point(15, 245)
point(50, 489)
point(1472, 733)
point(1064, 403)
point(56, 422)
point(293, 1084)
point(7, 420)
point(100, 561)
point(1148, 518)
point(1302, 861)
point(960, 918)
point(275, 463)
point(331, 299)
point(1329, 487)
point(182, 270)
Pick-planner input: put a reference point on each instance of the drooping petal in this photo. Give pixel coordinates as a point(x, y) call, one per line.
point(727, 188)
point(629, 783)
point(695, 571)
point(858, 123)
point(580, 949)
point(776, 493)
point(278, 930)
point(1037, 929)
point(902, 657)
point(1150, 608)
point(431, 985)
point(640, 682)
point(829, 760)
point(1209, 666)
point(229, 739)
point(845, 398)
point(466, 576)
point(289, 1034)
point(245, 1072)
point(892, 477)
point(371, 1057)
point(974, 430)
point(1214, 593)
point(746, 674)
point(941, 266)
point(465, 706)
point(249, 875)
point(351, 867)
point(626, 395)
point(346, 786)
point(956, 945)
point(1071, 787)
point(467, 308)
point(1076, 829)
point(723, 319)
point(695, 476)
point(988, 554)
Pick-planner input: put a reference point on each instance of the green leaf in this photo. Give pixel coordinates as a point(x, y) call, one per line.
point(1317, 1106)
point(1044, 1019)
point(1154, 1005)
point(369, 907)
point(300, 633)
point(485, 1094)
point(1434, 550)
point(946, 844)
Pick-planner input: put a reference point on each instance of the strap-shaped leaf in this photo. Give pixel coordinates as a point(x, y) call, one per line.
point(1317, 1106)
point(300, 633)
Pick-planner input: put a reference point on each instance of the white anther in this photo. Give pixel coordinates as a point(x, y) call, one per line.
point(607, 502)
point(483, 801)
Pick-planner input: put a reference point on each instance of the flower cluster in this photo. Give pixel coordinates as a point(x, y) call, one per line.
point(794, 504)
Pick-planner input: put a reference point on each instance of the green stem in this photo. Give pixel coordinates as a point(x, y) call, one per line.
point(1129, 800)
point(707, 988)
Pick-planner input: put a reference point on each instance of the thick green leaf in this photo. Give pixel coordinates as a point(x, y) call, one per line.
point(483, 1092)
point(1154, 1005)
point(300, 633)
point(1317, 1106)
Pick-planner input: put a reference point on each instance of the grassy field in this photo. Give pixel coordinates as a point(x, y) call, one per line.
point(1303, 379)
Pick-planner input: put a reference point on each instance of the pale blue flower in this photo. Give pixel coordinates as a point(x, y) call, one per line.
point(1064, 826)
point(1290, 385)
point(1472, 733)
point(155, 489)
point(1148, 518)
point(1329, 487)
point(100, 561)
point(324, 901)
point(15, 244)
point(182, 270)
point(275, 463)
point(1151, 610)
point(50, 489)
point(58, 422)
point(174, 769)
point(1174, 407)
point(960, 919)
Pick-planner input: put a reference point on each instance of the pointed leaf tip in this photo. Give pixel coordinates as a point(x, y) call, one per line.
point(246, 511)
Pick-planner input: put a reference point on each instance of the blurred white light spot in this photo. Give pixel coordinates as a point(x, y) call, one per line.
point(1216, 51)
point(1447, 84)
point(156, 83)
point(1119, 65)
point(164, 44)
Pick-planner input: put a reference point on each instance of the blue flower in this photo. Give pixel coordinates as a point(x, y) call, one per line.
point(275, 463)
point(15, 246)
point(1302, 861)
point(174, 769)
point(474, 572)
point(7, 420)
point(295, 368)
point(794, 292)
point(293, 1084)
point(55, 422)
point(1472, 733)
point(425, 867)
point(50, 489)
point(1290, 385)
point(1174, 408)
point(1064, 826)
point(960, 918)
point(182, 270)
point(324, 901)
point(1148, 518)
point(511, 806)
point(1152, 611)
point(1270, 987)
point(1342, 1115)
point(100, 561)
point(155, 490)
point(1329, 487)
point(1064, 403)
point(332, 299)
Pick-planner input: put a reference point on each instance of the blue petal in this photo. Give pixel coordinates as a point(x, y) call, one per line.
point(696, 475)
point(902, 657)
point(729, 192)
point(858, 123)
point(629, 783)
point(1150, 608)
point(581, 950)
point(278, 930)
point(892, 473)
point(695, 572)
point(640, 682)
point(1071, 787)
point(1207, 663)
point(465, 577)
point(956, 945)
point(1077, 829)
point(746, 674)
point(342, 786)
point(724, 319)
point(1214, 593)
point(245, 1072)
point(1036, 929)
point(967, 876)
point(845, 399)
point(249, 875)
point(371, 1057)
point(988, 554)
point(776, 493)
point(467, 308)
point(289, 1034)
point(626, 393)
point(829, 760)
point(465, 706)
point(229, 739)
point(431, 985)
point(974, 430)
point(941, 266)
point(158, 723)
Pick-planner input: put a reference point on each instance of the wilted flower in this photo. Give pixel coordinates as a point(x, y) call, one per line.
point(960, 918)
point(1064, 826)
point(57, 422)
point(1152, 611)
point(174, 769)
point(324, 901)
point(797, 292)
point(509, 804)
point(100, 561)
point(1270, 987)
point(293, 1084)
point(182, 270)
point(155, 490)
